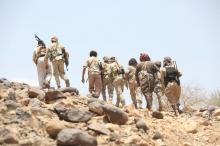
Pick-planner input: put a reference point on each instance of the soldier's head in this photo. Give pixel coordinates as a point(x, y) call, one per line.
point(40, 43)
point(132, 62)
point(54, 39)
point(167, 61)
point(112, 59)
point(93, 53)
point(106, 59)
point(144, 57)
point(158, 63)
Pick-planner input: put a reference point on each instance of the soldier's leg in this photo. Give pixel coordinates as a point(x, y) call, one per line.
point(117, 89)
point(56, 73)
point(149, 100)
point(138, 97)
point(110, 91)
point(48, 76)
point(40, 71)
point(98, 85)
point(91, 84)
point(133, 94)
point(62, 73)
point(122, 99)
point(104, 90)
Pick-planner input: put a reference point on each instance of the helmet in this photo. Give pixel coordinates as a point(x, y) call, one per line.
point(144, 57)
point(54, 39)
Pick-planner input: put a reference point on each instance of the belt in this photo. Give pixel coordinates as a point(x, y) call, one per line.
point(42, 55)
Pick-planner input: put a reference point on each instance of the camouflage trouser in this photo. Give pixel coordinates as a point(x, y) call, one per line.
point(147, 83)
point(107, 83)
point(159, 93)
point(118, 84)
point(44, 75)
point(58, 71)
point(95, 84)
point(172, 92)
point(135, 93)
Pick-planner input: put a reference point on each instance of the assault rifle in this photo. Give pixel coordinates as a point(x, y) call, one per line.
point(177, 77)
point(39, 41)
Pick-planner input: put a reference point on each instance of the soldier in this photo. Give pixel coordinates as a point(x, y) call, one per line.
point(44, 74)
point(94, 74)
point(118, 77)
point(146, 74)
point(158, 87)
point(170, 79)
point(58, 56)
point(106, 79)
point(135, 91)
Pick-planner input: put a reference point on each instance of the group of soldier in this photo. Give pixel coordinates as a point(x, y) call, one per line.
point(142, 78)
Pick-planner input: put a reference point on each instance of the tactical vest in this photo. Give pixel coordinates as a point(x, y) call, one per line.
point(117, 70)
point(56, 52)
point(171, 75)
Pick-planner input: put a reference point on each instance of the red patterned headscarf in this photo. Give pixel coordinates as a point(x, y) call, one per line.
point(144, 57)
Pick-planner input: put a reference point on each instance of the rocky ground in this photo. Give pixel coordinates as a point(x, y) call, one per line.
point(33, 117)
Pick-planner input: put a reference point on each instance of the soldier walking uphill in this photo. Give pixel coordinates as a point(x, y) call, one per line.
point(146, 74)
point(58, 55)
point(135, 91)
point(170, 79)
point(106, 79)
point(44, 74)
point(94, 74)
point(118, 78)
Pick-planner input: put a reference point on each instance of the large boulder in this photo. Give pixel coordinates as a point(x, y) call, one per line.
point(216, 112)
point(75, 137)
point(96, 107)
point(78, 115)
point(140, 124)
point(71, 90)
point(54, 127)
point(53, 95)
point(115, 115)
point(5, 82)
point(33, 92)
point(99, 128)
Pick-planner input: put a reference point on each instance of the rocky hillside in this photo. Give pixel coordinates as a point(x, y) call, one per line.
point(33, 117)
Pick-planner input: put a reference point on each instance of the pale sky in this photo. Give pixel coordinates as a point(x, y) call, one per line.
point(186, 30)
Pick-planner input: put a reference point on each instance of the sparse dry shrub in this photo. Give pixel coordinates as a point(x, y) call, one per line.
point(215, 98)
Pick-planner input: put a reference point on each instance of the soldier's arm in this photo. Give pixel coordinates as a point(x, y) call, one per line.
point(84, 71)
point(138, 69)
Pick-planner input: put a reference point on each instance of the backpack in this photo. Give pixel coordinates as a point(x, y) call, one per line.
point(171, 75)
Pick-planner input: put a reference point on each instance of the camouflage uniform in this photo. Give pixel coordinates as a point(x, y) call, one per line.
point(94, 75)
point(44, 74)
point(135, 91)
point(106, 80)
point(158, 87)
point(118, 82)
point(56, 54)
point(146, 74)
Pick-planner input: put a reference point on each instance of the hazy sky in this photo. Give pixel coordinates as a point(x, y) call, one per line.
point(186, 30)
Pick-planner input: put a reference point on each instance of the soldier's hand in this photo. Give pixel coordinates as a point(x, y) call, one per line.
point(83, 80)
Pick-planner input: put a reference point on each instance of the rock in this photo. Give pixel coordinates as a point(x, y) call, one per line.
point(33, 92)
point(11, 105)
point(205, 123)
point(90, 100)
point(22, 114)
point(190, 126)
point(74, 91)
point(5, 82)
point(216, 112)
point(26, 142)
point(186, 144)
point(157, 115)
point(53, 95)
point(8, 137)
point(157, 135)
point(99, 128)
point(70, 137)
point(96, 107)
point(115, 115)
point(54, 127)
point(25, 101)
point(140, 124)
point(78, 115)
point(34, 102)
point(38, 111)
point(132, 140)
